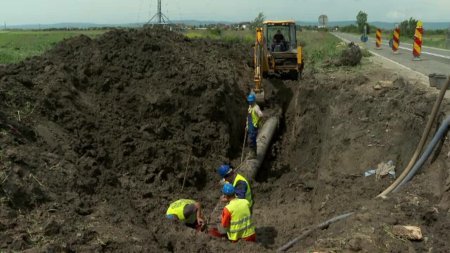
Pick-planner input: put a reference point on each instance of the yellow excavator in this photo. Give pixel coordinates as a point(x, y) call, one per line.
point(276, 53)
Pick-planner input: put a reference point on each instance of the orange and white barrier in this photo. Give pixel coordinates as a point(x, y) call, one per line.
point(378, 39)
point(417, 47)
point(396, 39)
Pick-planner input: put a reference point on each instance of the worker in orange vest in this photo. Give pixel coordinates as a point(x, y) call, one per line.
point(236, 217)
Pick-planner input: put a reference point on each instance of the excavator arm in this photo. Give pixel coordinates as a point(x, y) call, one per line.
point(260, 63)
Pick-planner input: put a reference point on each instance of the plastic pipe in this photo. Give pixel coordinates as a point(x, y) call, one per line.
point(310, 230)
point(438, 136)
point(250, 166)
point(421, 144)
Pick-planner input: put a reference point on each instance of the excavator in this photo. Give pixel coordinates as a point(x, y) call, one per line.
point(276, 53)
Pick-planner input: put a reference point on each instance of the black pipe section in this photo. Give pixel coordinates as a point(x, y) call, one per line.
point(438, 136)
point(310, 230)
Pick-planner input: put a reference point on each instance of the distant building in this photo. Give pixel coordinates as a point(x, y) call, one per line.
point(323, 21)
point(242, 26)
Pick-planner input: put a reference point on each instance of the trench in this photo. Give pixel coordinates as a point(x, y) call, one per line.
point(332, 131)
point(116, 147)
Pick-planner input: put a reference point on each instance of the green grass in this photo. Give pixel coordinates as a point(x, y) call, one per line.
point(318, 46)
point(435, 40)
point(18, 45)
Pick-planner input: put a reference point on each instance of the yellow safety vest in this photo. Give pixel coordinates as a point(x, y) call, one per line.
point(248, 193)
point(177, 207)
point(241, 224)
point(255, 117)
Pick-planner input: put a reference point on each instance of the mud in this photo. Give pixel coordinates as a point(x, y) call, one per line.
point(96, 136)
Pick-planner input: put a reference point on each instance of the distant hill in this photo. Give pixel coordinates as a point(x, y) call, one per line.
point(69, 26)
point(383, 25)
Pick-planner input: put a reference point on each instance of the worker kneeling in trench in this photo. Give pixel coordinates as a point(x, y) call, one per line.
point(237, 223)
point(187, 211)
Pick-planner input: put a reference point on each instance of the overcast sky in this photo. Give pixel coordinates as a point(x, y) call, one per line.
point(130, 11)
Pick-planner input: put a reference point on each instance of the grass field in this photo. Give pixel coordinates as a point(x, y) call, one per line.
point(17, 45)
point(434, 40)
point(318, 46)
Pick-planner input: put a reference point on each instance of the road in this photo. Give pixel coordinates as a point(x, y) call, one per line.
point(434, 60)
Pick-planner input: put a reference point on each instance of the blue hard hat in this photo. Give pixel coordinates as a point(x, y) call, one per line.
point(228, 189)
point(251, 98)
point(224, 169)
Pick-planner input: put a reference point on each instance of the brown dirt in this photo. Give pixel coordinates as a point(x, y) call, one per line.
point(96, 135)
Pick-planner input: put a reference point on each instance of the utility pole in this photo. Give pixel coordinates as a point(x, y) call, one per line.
point(159, 13)
point(159, 16)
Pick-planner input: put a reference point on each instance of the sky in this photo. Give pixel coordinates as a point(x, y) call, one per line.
point(18, 12)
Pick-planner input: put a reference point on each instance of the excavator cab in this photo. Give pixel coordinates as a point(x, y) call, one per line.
point(276, 53)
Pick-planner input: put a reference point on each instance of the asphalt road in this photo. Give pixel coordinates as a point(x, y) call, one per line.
point(433, 60)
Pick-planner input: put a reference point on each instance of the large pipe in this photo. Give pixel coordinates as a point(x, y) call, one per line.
point(438, 136)
point(250, 167)
point(422, 141)
point(309, 230)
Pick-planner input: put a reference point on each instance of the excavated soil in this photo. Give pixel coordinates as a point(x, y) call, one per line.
point(98, 135)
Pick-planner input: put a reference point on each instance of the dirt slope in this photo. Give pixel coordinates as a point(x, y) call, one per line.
point(96, 135)
point(337, 126)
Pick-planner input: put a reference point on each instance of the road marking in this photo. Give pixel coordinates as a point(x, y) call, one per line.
point(423, 52)
point(392, 61)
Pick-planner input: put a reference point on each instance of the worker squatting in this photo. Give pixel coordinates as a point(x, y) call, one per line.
point(236, 221)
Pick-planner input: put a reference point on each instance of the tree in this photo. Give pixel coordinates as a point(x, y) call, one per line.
point(408, 27)
point(361, 20)
point(257, 22)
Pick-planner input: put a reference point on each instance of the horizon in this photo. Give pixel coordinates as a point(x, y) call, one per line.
point(26, 12)
point(198, 20)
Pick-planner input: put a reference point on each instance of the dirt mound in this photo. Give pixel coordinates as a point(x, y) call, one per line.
point(95, 136)
point(350, 56)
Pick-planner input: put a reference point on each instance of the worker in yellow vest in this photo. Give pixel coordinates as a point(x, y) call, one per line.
point(236, 217)
point(240, 184)
point(187, 211)
point(253, 123)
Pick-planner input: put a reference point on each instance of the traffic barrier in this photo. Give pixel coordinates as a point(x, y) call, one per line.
point(378, 39)
point(417, 46)
point(396, 39)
